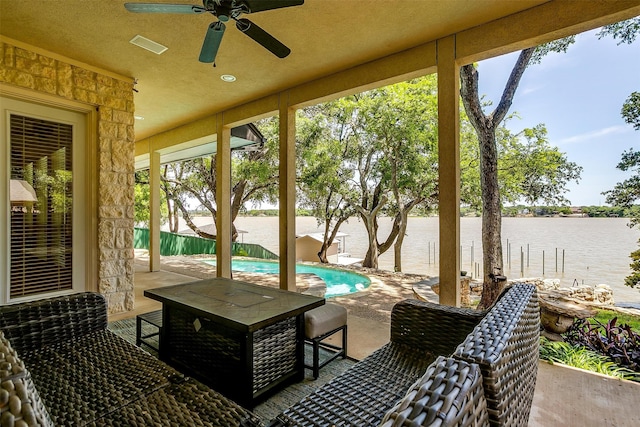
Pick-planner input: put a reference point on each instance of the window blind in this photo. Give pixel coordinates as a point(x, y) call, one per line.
point(41, 206)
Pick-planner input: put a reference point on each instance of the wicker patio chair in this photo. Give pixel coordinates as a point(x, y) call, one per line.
point(496, 348)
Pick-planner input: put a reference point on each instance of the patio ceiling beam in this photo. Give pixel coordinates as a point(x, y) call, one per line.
point(541, 24)
point(411, 63)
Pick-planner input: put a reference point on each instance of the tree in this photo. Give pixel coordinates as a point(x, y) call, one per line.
point(408, 129)
point(142, 199)
point(371, 154)
point(627, 192)
point(631, 110)
point(173, 200)
point(323, 175)
point(530, 170)
point(254, 177)
point(533, 171)
point(395, 159)
point(623, 31)
point(486, 126)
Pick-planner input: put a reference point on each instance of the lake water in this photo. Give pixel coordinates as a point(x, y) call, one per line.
point(596, 250)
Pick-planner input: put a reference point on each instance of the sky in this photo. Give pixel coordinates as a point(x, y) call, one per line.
point(578, 95)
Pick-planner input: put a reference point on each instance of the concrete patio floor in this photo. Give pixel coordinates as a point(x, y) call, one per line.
point(563, 396)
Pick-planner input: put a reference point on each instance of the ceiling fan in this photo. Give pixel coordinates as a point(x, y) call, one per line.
point(225, 10)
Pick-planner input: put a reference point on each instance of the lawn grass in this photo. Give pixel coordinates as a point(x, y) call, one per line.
point(604, 316)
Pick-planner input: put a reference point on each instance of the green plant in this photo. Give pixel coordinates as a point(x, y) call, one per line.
point(618, 342)
point(582, 358)
point(241, 252)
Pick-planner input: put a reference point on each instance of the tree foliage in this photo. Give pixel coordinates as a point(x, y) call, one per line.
point(631, 110)
point(372, 154)
point(142, 200)
point(532, 170)
point(323, 144)
point(627, 192)
point(623, 31)
point(254, 178)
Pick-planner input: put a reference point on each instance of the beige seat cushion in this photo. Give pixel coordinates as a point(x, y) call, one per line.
point(324, 319)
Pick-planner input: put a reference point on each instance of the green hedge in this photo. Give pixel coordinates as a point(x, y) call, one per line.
point(175, 244)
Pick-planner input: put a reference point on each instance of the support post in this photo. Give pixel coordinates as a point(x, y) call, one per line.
point(287, 195)
point(154, 210)
point(223, 198)
point(449, 170)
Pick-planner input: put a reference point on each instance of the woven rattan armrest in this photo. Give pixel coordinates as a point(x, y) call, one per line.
point(22, 404)
point(450, 393)
point(505, 347)
point(33, 325)
point(435, 328)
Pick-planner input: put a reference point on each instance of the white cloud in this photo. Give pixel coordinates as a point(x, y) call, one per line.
point(531, 89)
point(594, 134)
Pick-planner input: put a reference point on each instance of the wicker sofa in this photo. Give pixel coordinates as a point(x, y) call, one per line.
point(60, 366)
point(444, 366)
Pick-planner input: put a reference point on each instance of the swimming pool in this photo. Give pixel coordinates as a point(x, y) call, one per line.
point(339, 282)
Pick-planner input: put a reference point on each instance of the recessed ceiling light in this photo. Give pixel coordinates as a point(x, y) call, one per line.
point(138, 117)
point(228, 78)
point(148, 44)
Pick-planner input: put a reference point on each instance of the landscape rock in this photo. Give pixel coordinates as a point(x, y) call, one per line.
point(600, 294)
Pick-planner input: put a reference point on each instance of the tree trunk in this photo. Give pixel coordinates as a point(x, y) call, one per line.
point(397, 246)
point(328, 238)
point(491, 217)
point(485, 126)
point(368, 211)
point(371, 257)
point(322, 254)
point(401, 223)
point(174, 218)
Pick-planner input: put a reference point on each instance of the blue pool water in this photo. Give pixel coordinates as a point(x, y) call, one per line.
point(339, 282)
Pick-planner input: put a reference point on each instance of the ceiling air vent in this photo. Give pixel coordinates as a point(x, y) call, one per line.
point(150, 45)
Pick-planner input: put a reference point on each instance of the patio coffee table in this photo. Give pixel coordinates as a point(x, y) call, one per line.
point(243, 340)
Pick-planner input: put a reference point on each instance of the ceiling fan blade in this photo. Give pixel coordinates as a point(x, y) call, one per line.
point(260, 5)
point(163, 8)
point(212, 42)
point(261, 36)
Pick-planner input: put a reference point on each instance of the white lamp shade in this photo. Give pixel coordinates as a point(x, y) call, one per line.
point(21, 191)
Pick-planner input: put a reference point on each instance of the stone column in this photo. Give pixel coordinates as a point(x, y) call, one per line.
point(51, 79)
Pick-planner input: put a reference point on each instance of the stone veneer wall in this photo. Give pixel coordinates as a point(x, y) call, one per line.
point(113, 99)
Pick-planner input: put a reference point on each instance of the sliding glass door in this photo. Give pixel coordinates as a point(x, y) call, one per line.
point(44, 204)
